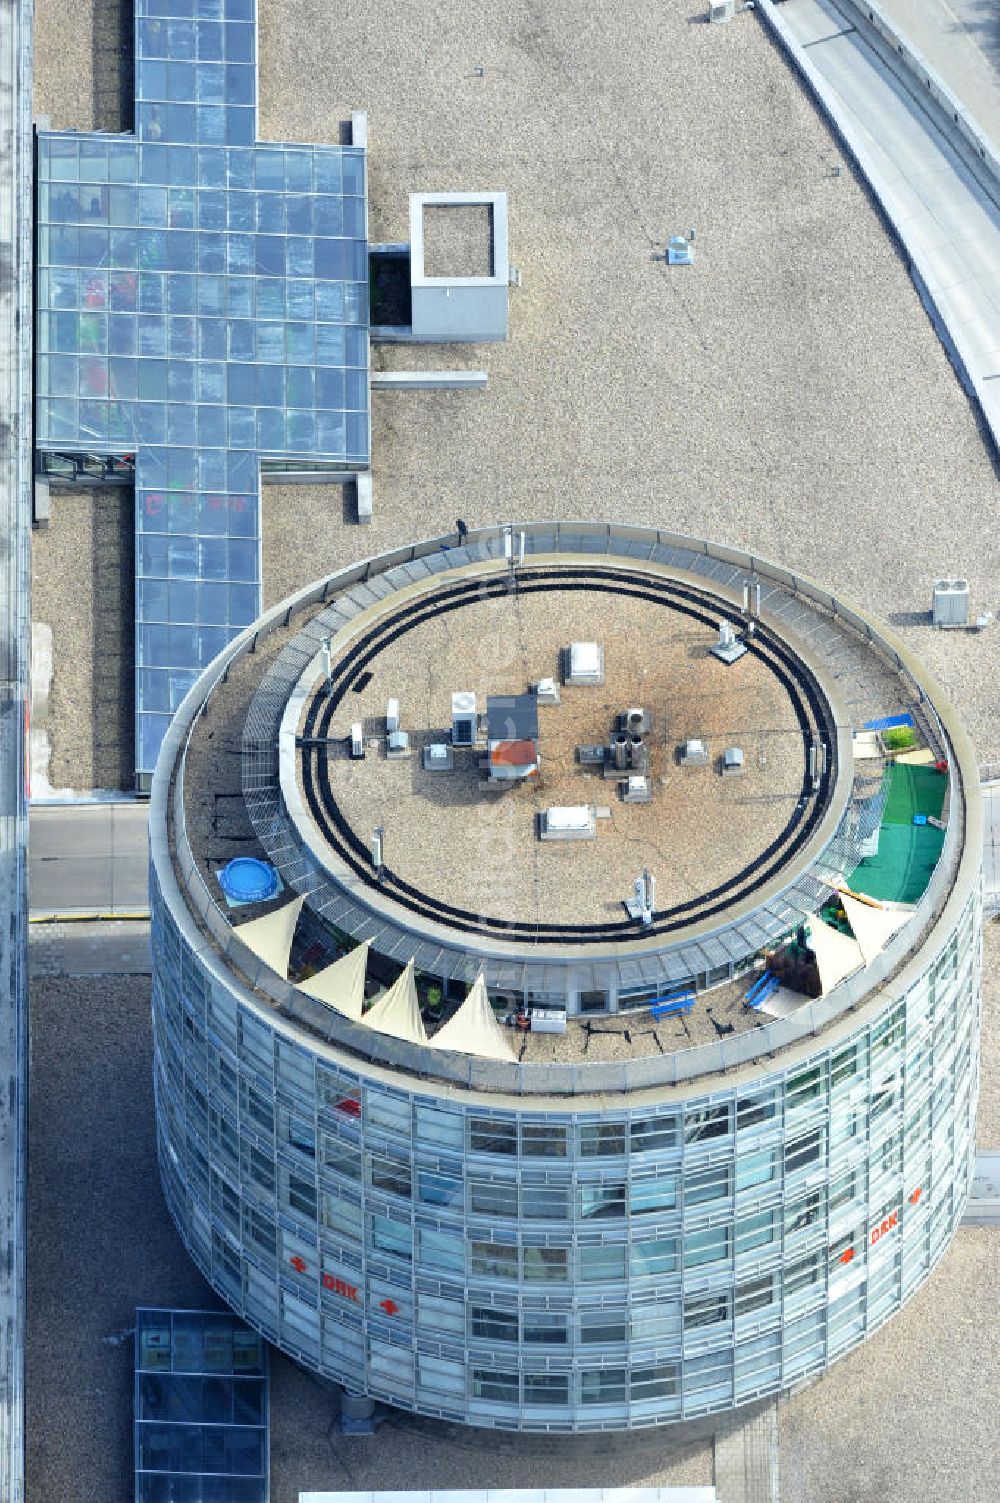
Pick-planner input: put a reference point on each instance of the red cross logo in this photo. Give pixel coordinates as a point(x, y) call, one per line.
point(916, 1195)
point(847, 1255)
point(299, 1264)
point(388, 1305)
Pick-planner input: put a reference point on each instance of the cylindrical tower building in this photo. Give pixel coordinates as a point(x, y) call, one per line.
point(716, 1143)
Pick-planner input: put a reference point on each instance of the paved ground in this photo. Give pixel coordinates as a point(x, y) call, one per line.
point(90, 948)
point(89, 858)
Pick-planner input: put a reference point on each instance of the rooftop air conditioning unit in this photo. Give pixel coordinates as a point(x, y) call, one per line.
point(464, 723)
point(721, 10)
point(568, 822)
point(951, 602)
point(584, 663)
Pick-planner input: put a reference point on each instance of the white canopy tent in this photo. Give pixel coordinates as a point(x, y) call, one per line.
point(342, 984)
point(397, 1011)
point(873, 927)
point(474, 1028)
point(837, 955)
point(270, 937)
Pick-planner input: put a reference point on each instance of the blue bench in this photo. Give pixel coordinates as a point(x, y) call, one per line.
point(675, 1005)
point(765, 986)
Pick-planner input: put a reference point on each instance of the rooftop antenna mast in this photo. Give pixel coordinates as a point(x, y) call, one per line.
point(642, 904)
point(513, 552)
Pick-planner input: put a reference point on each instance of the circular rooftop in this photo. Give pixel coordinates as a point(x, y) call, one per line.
point(572, 825)
point(465, 846)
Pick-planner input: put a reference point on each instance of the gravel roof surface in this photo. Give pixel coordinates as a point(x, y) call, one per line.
point(786, 393)
point(475, 846)
point(82, 588)
point(910, 1415)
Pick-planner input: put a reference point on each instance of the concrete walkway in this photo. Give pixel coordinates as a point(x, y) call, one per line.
point(746, 1458)
point(947, 218)
point(90, 949)
point(88, 859)
point(961, 41)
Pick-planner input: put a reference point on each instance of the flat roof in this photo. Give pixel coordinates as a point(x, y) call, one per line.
point(474, 848)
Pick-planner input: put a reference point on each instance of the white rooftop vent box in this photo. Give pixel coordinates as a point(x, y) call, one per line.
point(584, 663)
point(548, 1020)
point(568, 822)
point(680, 251)
point(547, 691)
point(438, 757)
point(637, 790)
point(357, 741)
point(721, 10)
point(392, 716)
point(464, 722)
point(732, 761)
point(951, 602)
point(397, 744)
point(694, 754)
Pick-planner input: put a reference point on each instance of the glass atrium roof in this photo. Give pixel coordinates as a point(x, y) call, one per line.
point(202, 304)
point(201, 1409)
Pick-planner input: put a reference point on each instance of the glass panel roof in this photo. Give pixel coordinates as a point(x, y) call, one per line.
point(202, 303)
point(201, 1408)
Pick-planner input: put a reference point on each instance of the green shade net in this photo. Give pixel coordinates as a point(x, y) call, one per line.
point(907, 854)
point(913, 790)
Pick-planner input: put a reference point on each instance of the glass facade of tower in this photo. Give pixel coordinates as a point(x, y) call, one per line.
point(612, 1264)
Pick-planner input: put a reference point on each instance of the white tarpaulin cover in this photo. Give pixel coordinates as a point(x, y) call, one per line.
point(270, 937)
point(782, 1003)
point(837, 955)
point(866, 745)
point(873, 927)
point(474, 1028)
point(397, 1011)
point(341, 985)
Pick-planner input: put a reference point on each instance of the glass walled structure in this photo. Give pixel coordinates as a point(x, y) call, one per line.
point(553, 1241)
point(202, 307)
